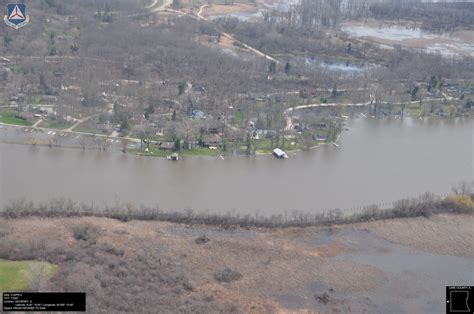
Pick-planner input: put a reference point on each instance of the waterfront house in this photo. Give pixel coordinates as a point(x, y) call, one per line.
point(166, 145)
point(212, 141)
point(197, 114)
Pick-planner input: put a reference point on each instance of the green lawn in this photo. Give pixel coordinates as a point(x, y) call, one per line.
point(89, 126)
point(202, 151)
point(55, 125)
point(238, 118)
point(14, 274)
point(264, 145)
point(155, 151)
point(8, 117)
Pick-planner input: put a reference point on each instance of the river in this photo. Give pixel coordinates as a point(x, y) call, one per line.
point(378, 161)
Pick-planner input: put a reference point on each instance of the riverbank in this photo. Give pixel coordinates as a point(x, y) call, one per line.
point(423, 206)
point(54, 137)
point(356, 268)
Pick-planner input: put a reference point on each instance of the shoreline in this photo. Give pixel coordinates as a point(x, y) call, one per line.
point(461, 201)
point(139, 153)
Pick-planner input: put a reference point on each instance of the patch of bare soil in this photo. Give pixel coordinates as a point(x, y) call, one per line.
point(219, 9)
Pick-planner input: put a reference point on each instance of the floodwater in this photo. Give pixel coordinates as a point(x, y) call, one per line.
point(378, 161)
point(449, 44)
point(414, 280)
point(397, 33)
point(418, 278)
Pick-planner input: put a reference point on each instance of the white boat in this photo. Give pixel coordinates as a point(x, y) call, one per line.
point(278, 153)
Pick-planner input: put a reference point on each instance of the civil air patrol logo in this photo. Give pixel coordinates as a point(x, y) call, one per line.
point(16, 15)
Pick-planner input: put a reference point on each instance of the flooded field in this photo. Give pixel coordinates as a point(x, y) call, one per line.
point(460, 43)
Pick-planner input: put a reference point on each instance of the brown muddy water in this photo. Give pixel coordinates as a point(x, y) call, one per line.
point(378, 161)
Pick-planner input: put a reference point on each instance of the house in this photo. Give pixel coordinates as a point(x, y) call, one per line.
point(212, 141)
point(4, 60)
point(197, 114)
point(200, 89)
point(49, 98)
point(308, 92)
point(320, 137)
point(166, 145)
point(278, 153)
point(27, 116)
point(47, 111)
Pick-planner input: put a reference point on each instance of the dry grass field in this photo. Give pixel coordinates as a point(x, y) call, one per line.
point(209, 269)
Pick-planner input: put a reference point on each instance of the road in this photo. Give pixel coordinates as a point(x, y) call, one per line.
point(79, 122)
point(131, 139)
point(52, 58)
point(201, 9)
point(289, 122)
point(165, 8)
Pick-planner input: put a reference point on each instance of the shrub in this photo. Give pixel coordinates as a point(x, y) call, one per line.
point(86, 232)
point(189, 285)
point(4, 229)
point(459, 203)
point(227, 275)
point(203, 239)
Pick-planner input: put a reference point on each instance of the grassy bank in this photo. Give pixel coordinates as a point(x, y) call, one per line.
point(17, 275)
point(55, 125)
point(9, 117)
point(423, 206)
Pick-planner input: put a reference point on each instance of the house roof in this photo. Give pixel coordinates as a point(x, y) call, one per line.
point(213, 139)
point(198, 114)
point(167, 145)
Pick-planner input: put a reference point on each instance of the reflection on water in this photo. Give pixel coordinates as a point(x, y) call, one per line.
point(397, 33)
point(378, 161)
point(448, 44)
point(334, 65)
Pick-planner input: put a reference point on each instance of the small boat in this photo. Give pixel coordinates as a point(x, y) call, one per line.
point(278, 153)
point(173, 157)
point(335, 144)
